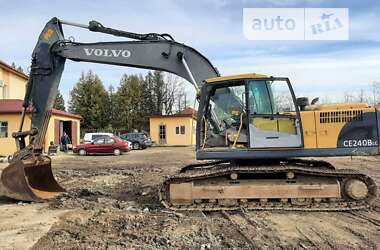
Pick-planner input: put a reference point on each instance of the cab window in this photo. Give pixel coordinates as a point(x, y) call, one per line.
point(260, 99)
point(270, 97)
point(226, 104)
point(224, 122)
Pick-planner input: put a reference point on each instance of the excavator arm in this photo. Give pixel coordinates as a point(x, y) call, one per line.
point(151, 51)
point(29, 176)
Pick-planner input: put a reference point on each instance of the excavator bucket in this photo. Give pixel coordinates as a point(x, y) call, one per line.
point(30, 180)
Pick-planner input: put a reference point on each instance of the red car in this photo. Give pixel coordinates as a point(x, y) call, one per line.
point(104, 145)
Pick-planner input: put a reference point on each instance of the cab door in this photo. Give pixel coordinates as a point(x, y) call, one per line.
point(274, 120)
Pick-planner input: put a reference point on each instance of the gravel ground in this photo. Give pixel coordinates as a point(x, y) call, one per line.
point(112, 203)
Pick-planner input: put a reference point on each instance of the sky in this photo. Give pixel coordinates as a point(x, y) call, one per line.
point(328, 69)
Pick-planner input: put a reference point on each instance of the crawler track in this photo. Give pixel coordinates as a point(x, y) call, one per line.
point(307, 168)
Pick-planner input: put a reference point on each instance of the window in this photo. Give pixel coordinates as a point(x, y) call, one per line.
point(272, 110)
point(3, 90)
point(162, 132)
point(270, 97)
point(99, 141)
point(180, 130)
point(282, 97)
point(94, 137)
point(225, 106)
point(109, 141)
point(3, 129)
point(260, 101)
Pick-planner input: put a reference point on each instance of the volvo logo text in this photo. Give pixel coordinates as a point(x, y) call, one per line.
point(107, 52)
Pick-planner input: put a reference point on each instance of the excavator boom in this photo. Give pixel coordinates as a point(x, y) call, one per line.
point(29, 175)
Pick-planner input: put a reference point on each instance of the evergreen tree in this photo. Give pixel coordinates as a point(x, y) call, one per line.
point(158, 91)
point(112, 107)
point(19, 68)
point(149, 98)
point(59, 102)
point(89, 99)
point(129, 99)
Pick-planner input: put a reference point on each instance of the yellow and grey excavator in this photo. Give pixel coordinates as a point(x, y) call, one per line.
point(251, 126)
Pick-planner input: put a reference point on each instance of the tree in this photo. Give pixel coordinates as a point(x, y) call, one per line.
point(158, 91)
point(129, 99)
point(362, 96)
point(181, 100)
point(112, 107)
point(89, 99)
point(375, 92)
point(18, 68)
point(148, 96)
point(59, 102)
point(348, 97)
point(166, 91)
point(173, 94)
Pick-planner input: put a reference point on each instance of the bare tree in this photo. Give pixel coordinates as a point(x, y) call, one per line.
point(181, 100)
point(325, 99)
point(173, 93)
point(349, 98)
point(375, 92)
point(362, 96)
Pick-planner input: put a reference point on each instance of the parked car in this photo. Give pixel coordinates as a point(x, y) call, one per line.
point(138, 140)
point(90, 137)
point(129, 143)
point(103, 145)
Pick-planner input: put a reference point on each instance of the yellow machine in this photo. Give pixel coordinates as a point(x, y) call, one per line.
point(260, 133)
point(252, 126)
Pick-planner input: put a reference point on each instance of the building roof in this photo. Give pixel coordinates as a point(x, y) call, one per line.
point(9, 68)
point(235, 77)
point(187, 112)
point(14, 106)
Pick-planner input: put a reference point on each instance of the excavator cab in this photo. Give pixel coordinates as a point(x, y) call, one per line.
point(250, 112)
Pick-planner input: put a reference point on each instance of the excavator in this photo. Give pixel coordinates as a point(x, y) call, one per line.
point(252, 133)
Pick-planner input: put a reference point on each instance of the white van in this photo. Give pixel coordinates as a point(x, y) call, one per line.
point(90, 137)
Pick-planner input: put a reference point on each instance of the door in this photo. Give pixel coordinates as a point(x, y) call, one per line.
point(274, 120)
point(97, 146)
point(109, 145)
point(162, 134)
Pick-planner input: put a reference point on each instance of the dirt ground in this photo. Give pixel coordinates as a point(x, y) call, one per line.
point(112, 203)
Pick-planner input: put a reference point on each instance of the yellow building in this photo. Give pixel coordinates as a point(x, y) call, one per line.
point(12, 82)
point(12, 91)
point(174, 130)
